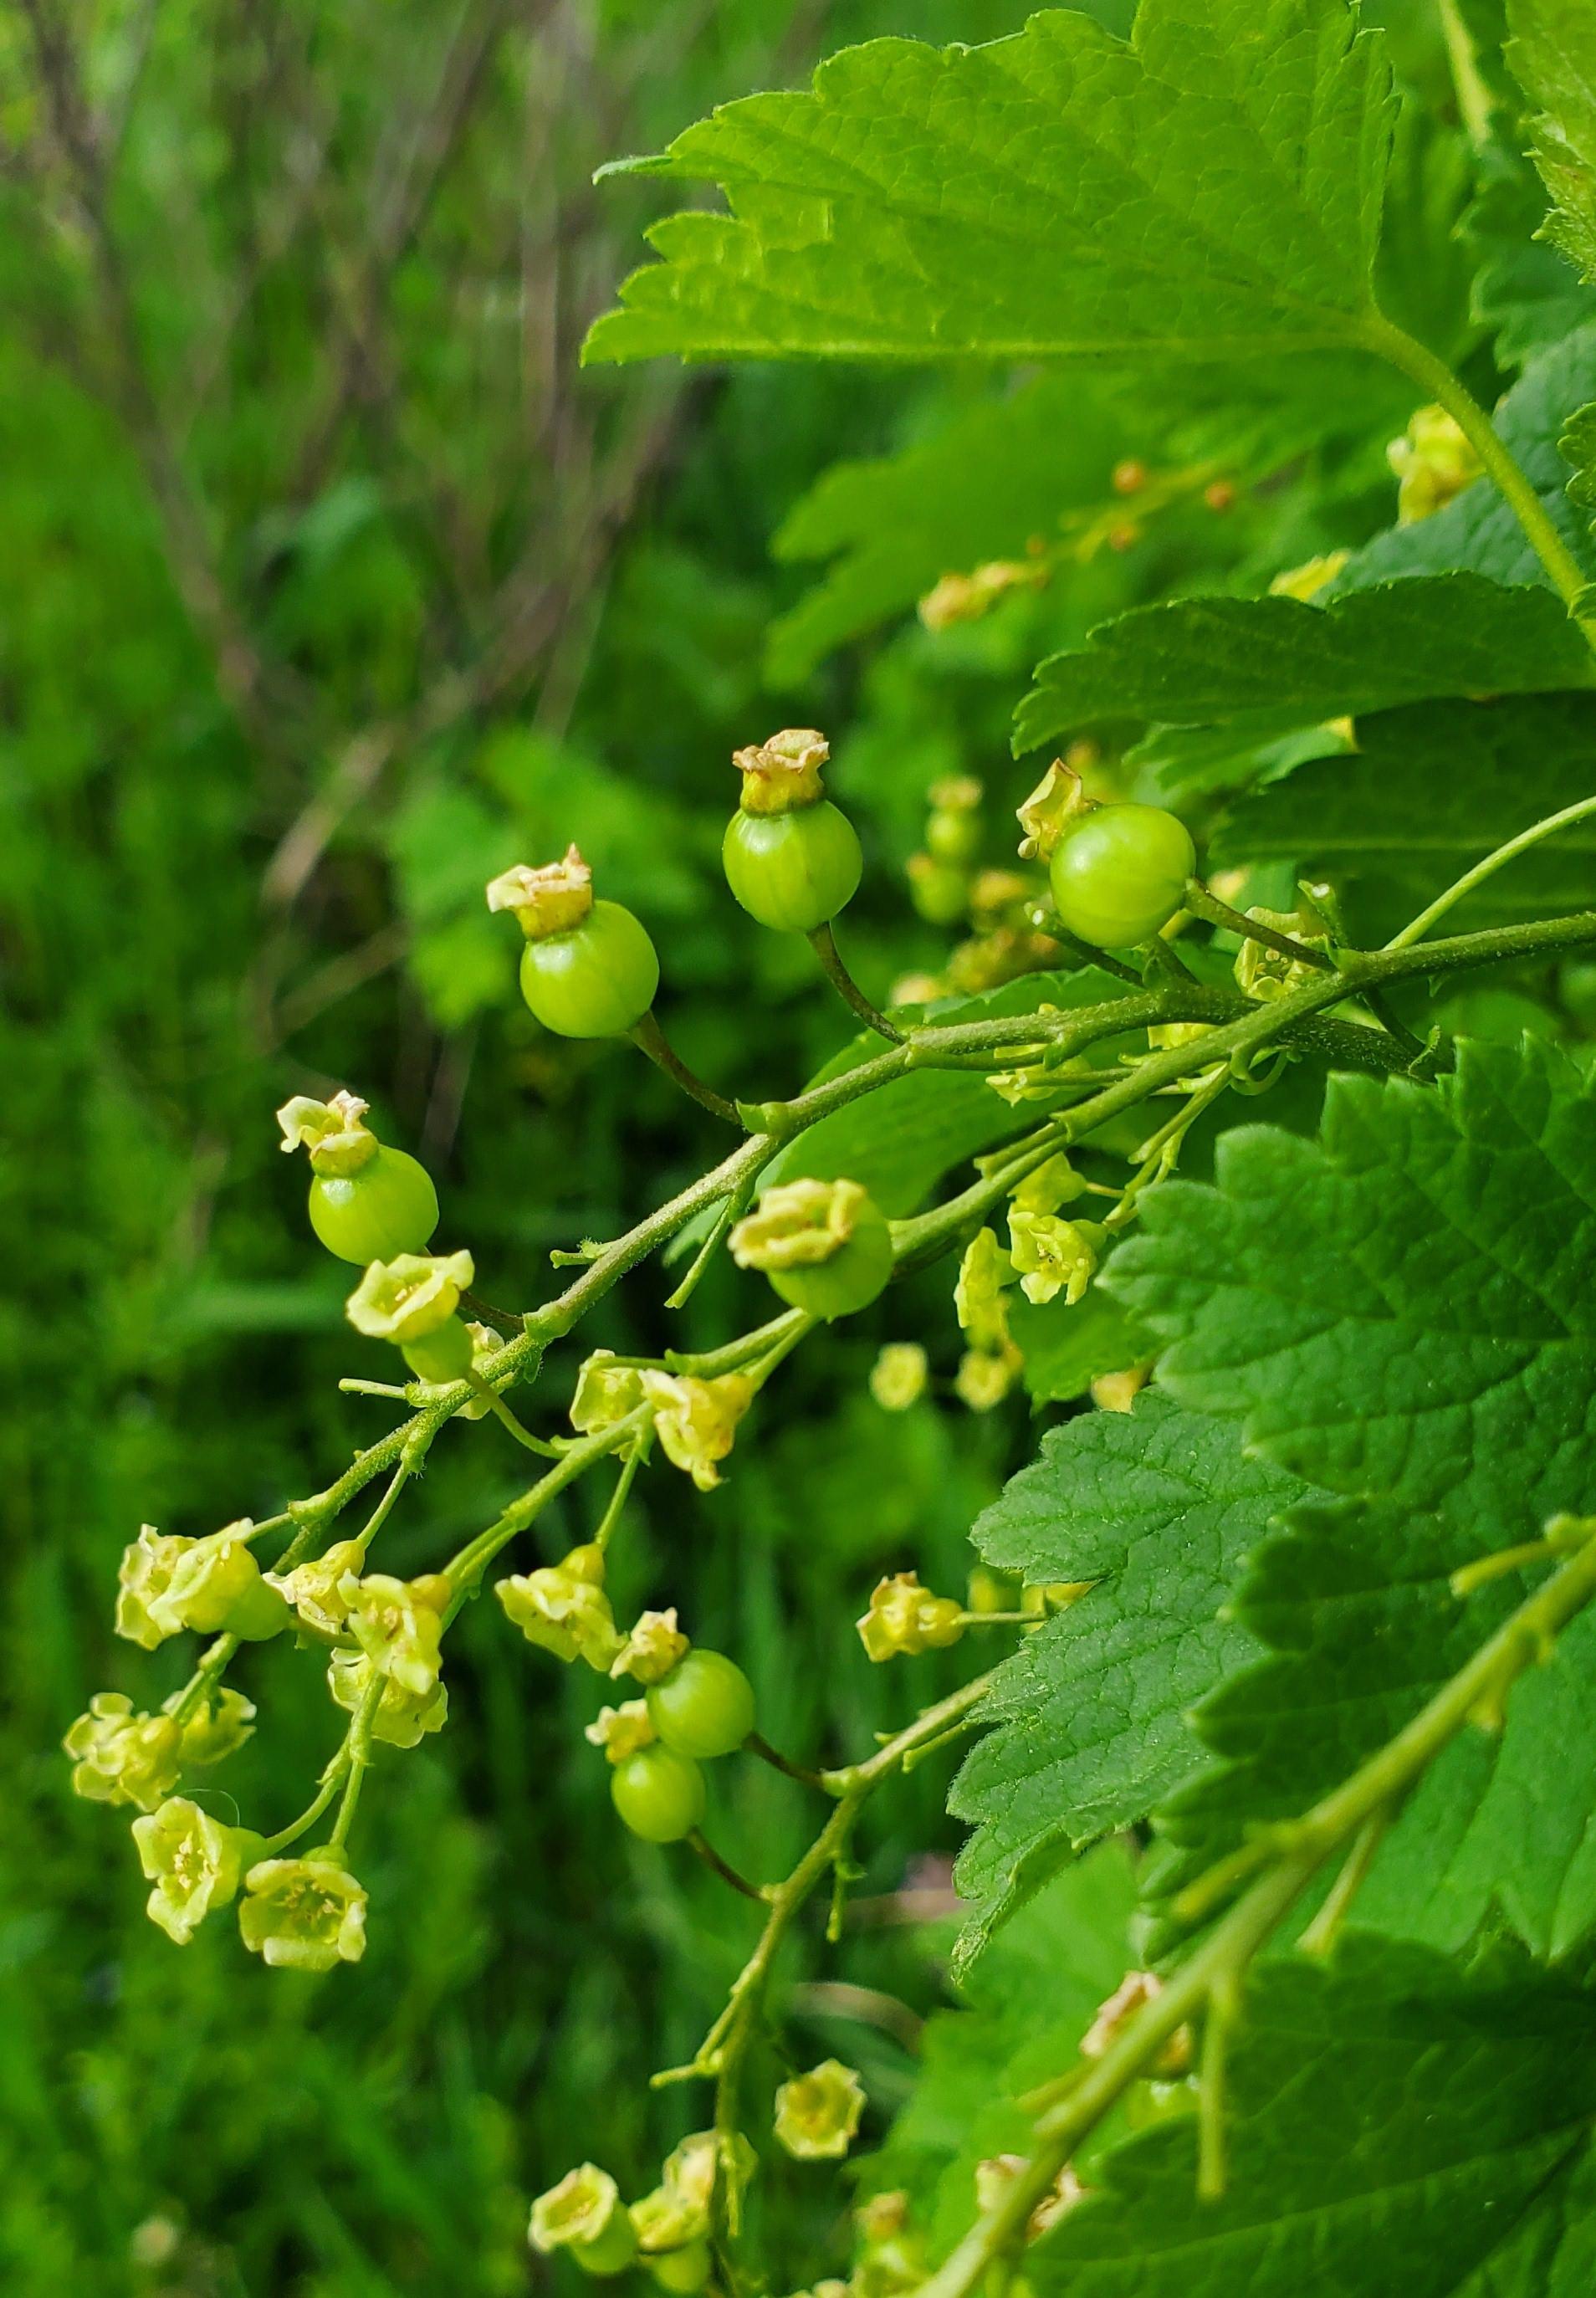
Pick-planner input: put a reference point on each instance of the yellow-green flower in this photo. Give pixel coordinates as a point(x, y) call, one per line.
point(402, 1717)
point(1053, 1184)
point(1265, 974)
point(818, 2113)
point(904, 1616)
point(898, 1376)
point(606, 1393)
point(304, 1915)
point(697, 1419)
point(339, 1143)
point(216, 1587)
point(409, 1297)
point(1433, 461)
point(585, 2215)
point(193, 1862)
point(1053, 1255)
point(986, 1375)
point(316, 1588)
point(119, 1757)
point(220, 1725)
point(621, 1731)
point(653, 1648)
point(399, 1626)
point(563, 1608)
point(978, 1297)
point(143, 1577)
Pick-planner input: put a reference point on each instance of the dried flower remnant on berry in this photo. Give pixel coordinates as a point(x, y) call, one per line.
point(1044, 816)
point(410, 1296)
point(563, 1608)
point(899, 1376)
point(121, 1757)
point(904, 1617)
point(653, 1648)
point(552, 900)
point(304, 1915)
point(798, 1225)
point(621, 1731)
point(193, 1862)
point(697, 1420)
point(817, 2114)
point(782, 774)
point(334, 1131)
point(401, 1718)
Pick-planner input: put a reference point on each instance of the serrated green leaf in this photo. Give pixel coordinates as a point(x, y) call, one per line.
point(1390, 2128)
point(1553, 54)
point(1158, 1506)
point(1210, 188)
point(1478, 533)
point(1194, 661)
point(1524, 290)
point(1065, 1349)
point(1428, 792)
point(1402, 1311)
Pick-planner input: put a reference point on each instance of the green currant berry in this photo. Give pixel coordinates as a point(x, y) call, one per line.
point(595, 980)
point(850, 1281)
point(1120, 872)
point(793, 872)
point(443, 1354)
point(658, 1793)
point(388, 1207)
point(703, 1708)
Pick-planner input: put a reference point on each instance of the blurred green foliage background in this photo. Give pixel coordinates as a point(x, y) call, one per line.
point(331, 587)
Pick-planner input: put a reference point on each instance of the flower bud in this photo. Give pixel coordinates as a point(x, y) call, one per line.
point(563, 1608)
point(332, 1131)
point(606, 1393)
point(906, 1617)
point(486, 1345)
point(409, 1298)
point(818, 2113)
point(653, 1648)
point(220, 1724)
point(965, 597)
point(316, 1589)
point(143, 1577)
point(119, 1757)
point(993, 2177)
point(1053, 1255)
point(304, 1915)
point(1054, 1184)
point(193, 1861)
point(1055, 803)
point(402, 1717)
point(585, 2215)
point(697, 1419)
point(782, 774)
point(398, 1626)
point(897, 1378)
point(552, 900)
point(621, 1731)
point(216, 1587)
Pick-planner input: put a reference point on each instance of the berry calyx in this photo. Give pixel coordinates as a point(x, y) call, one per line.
point(658, 1794)
point(367, 1202)
point(703, 1708)
point(826, 1247)
point(589, 968)
point(1118, 873)
point(791, 859)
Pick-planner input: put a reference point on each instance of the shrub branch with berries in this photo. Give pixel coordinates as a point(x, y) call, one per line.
point(1326, 1530)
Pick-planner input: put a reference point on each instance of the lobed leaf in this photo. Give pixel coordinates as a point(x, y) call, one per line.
point(1553, 54)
